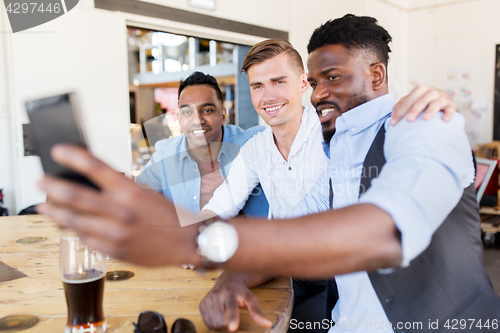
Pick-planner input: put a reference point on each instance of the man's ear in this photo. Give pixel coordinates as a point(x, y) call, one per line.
point(224, 113)
point(304, 84)
point(379, 75)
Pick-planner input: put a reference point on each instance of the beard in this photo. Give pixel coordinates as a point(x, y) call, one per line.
point(355, 101)
point(327, 135)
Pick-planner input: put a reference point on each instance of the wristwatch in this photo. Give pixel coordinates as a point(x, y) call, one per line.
point(217, 243)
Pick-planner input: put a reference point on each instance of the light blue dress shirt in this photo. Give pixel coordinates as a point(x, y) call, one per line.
point(175, 173)
point(429, 164)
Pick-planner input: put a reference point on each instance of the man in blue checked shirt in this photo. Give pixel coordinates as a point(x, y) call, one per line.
point(188, 168)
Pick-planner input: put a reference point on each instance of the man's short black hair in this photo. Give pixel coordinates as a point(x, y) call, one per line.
point(199, 78)
point(352, 31)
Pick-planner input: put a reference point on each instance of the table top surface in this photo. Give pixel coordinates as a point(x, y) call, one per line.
point(30, 244)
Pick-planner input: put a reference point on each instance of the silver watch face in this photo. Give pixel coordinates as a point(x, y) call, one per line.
point(218, 242)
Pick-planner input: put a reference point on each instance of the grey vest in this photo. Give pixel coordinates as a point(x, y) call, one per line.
point(447, 282)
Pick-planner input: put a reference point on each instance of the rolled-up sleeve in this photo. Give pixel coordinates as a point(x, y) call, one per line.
point(429, 164)
point(149, 176)
point(154, 177)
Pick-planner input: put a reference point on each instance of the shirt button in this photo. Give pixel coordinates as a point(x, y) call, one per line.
point(342, 319)
point(195, 170)
point(194, 197)
point(353, 129)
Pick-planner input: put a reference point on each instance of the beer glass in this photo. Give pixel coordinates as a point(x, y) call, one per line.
point(83, 271)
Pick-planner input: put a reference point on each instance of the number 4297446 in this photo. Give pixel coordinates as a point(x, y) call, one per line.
point(455, 324)
point(32, 7)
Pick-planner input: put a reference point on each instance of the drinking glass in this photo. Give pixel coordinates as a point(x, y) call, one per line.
point(83, 271)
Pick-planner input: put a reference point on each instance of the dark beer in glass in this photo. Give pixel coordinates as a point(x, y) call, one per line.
point(83, 272)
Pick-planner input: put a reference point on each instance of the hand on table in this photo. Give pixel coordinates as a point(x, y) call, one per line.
point(220, 309)
point(428, 101)
point(122, 220)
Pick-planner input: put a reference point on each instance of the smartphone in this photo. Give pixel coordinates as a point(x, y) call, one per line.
point(56, 120)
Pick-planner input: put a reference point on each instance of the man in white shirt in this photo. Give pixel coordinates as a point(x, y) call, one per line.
point(286, 159)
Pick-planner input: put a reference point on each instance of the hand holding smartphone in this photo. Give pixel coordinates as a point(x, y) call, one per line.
point(56, 120)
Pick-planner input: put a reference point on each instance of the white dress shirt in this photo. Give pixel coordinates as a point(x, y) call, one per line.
point(285, 182)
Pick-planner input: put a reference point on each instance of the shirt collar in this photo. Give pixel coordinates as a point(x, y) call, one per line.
point(365, 115)
point(308, 118)
point(307, 122)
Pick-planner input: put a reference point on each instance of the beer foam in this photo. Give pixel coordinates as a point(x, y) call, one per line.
point(85, 277)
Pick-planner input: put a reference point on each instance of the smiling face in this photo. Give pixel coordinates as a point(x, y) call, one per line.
point(342, 79)
point(276, 89)
point(201, 115)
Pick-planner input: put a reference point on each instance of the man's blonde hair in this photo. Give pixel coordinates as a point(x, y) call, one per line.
point(270, 48)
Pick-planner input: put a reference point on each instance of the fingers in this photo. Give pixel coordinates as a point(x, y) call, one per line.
point(81, 198)
point(206, 315)
point(100, 234)
point(80, 160)
point(406, 106)
point(424, 100)
point(439, 104)
point(85, 225)
point(449, 111)
point(421, 104)
point(232, 313)
point(220, 311)
point(253, 308)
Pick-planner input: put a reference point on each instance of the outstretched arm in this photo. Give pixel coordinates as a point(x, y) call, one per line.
point(428, 166)
point(140, 226)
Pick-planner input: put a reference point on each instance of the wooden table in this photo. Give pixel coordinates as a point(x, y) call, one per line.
point(172, 291)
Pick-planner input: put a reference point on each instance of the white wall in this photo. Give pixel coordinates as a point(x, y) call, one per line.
point(460, 35)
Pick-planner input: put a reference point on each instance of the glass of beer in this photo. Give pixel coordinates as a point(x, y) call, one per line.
point(83, 271)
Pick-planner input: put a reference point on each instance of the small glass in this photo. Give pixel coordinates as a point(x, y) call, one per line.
point(83, 273)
